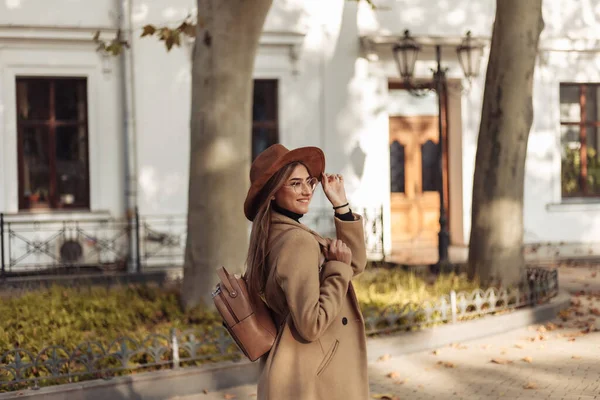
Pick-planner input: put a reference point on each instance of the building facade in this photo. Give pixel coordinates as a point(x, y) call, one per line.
point(86, 136)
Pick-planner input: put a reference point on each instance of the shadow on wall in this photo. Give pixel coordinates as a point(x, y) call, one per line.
point(343, 92)
point(287, 15)
point(442, 17)
point(571, 18)
point(357, 160)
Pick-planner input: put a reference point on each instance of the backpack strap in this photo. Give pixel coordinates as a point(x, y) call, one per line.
point(224, 277)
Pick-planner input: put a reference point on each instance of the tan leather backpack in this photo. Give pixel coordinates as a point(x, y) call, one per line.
point(248, 322)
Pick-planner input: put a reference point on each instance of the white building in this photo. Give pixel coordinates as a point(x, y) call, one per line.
point(72, 119)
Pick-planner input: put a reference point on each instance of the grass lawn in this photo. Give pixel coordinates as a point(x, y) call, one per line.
point(380, 288)
point(69, 316)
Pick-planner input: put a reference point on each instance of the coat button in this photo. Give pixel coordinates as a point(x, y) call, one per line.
point(345, 321)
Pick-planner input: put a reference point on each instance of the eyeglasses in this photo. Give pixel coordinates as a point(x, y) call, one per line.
point(298, 185)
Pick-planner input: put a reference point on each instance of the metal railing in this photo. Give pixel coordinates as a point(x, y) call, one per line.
point(103, 244)
point(63, 245)
point(20, 368)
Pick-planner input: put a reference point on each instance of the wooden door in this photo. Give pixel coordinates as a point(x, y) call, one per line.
point(415, 201)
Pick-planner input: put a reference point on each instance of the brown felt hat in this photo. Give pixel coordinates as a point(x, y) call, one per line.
point(272, 160)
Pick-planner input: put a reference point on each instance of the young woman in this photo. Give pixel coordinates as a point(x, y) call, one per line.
point(320, 350)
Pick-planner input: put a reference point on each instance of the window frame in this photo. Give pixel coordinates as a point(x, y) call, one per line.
point(51, 123)
point(272, 124)
point(583, 123)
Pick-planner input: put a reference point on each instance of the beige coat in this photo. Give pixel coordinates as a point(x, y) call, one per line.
point(320, 351)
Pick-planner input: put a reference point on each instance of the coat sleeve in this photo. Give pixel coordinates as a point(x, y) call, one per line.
point(313, 304)
point(352, 233)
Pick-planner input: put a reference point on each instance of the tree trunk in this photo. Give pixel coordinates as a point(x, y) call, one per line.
point(496, 243)
point(227, 39)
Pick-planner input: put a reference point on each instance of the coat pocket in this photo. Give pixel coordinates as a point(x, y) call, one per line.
point(328, 357)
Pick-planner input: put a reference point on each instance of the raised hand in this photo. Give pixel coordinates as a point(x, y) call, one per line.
point(333, 186)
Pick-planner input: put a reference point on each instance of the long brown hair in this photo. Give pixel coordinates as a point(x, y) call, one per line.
point(256, 271)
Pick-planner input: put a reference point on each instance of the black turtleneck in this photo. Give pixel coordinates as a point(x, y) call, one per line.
point(296, 217)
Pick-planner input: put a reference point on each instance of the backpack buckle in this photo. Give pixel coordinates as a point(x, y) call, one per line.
point(216, 292)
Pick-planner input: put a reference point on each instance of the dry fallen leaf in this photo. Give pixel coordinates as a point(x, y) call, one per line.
point(392, 375)
point(576, 357)
point(589, 329)
point(501, 361)
point(384, 397)
point(573, 335)
point(564, 314)
point(205, 391)
point(530, 385)
point(229, 396)
point(527, 359)
point(401, 382)
point(550, 326)
point(435, 352)
point(595, 311)
point(518, 346)
point(384, 357)
point(446, 364)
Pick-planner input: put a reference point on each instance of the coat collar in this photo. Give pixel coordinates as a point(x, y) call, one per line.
point(280, 219)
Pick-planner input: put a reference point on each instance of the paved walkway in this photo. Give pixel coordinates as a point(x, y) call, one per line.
point(557, 360)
